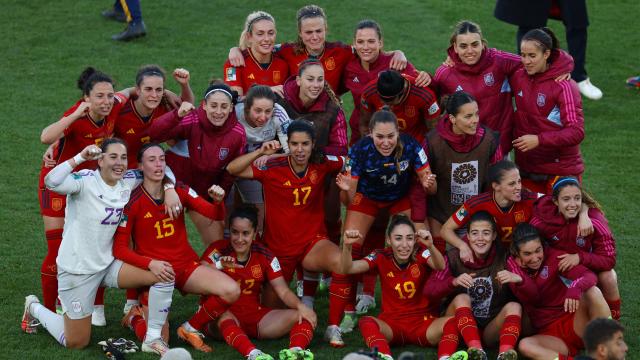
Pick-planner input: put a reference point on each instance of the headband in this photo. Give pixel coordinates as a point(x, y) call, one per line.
point(258, 18)
point(221, 90)
point(565, 180)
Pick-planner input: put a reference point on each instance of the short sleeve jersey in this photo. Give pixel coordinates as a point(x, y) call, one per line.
point(154, 234)
point(294, 203)
point(383, 178)
point(334, 59)
point(401, 285)
point(253, 72)
point(261, 267)
point(419, 106)
point(130, 126)
point(506, 219)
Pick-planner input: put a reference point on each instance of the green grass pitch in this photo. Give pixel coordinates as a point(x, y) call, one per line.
point(45, 45)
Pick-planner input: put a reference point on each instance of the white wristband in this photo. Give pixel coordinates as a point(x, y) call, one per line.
point(78, 159)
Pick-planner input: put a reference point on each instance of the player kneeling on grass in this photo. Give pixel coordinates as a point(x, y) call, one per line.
point(403, 268)
point(95, 203)
point(251, 265)
point(477, 290)
point(559, 302)
point(161, 245)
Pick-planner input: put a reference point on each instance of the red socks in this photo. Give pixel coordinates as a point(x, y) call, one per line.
point(139, 326)
point(212, 307)
point(341, 292)
point(372, 336)
point(614, 306)
point(448, 343)
point(235, 337)
point(509, 333)
point(468, 327)
point(301, 335)
point(49, 270)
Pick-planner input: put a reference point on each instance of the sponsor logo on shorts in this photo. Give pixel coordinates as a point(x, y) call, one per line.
point(76, 307)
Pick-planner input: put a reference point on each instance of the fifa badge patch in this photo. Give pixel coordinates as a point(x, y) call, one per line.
point(434, 108)
point(488, 79)
point(275, 265)
point(461, 214)
point(541, 99)
point(231, 74)
point(223, 153)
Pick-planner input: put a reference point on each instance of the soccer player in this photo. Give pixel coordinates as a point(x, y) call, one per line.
point(252, 265)
point(549, 124)
point(558, 312)
point(475, 291)
point(261, 66)
point(363, 68)
point(263, 120)
point(148, 104)
point(89, 121)
point(96, 199)
point(482, 72)
point(416, 107)
point(215, 137)
point(604, 340)
point(294, 188)
point(160, 245)
point(460, 151)
point(403, 267)
point(556, 217)
point(311, 43)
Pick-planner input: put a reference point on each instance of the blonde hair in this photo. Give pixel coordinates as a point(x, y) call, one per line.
point(252, 18)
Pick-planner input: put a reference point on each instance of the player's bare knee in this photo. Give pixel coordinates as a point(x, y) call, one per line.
point(527, 347)
point(230, 293)
point(79, 343)
point(513, 308)
point(462, 300)
point(608, 281)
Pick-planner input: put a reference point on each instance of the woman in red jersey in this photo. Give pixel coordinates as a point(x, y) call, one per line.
point(460, 151)
point(559, 311)
point(160, 245)
point(549, 124)
point(474, 290)
point(215, 137)
point(311, 42)
point(294, 193)
point(404, 267)
point(556, 217)
point(146, 105)
point(260, 65)
point(89, 121)
point(251, 265)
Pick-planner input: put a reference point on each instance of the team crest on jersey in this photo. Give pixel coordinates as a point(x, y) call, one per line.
point(231, 74)
point(276, 76)
point(256, 271)
point(544, 273)
point(410, 111)
point(519, 216)
point(330, 63)
point(415, 271)
point(313, 177)
point(404, 165)
point(56, 204)
point(541, 99)
point(488, 79)
point(223, 153)
point(580, 241)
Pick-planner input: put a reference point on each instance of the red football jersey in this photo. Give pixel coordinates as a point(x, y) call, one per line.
point(506, 220)
point(154, 234)
point(334, 58)
point(253, 72)
point(130, 126)
point(81, 133)
point(294, 205)
point(401, 286)
point(414, 111)
point(261, 267)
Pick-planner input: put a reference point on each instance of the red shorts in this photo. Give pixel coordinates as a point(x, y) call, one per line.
point(182, 275)
point(288, 263)
point(545, 187)
point(562, 328)
point(249, 317)
point(51, 203)
point(363, 204)
point(409, 330)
